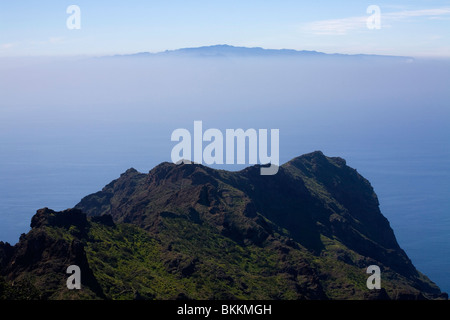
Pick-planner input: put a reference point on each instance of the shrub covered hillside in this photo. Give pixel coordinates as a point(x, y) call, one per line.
point(190, 232)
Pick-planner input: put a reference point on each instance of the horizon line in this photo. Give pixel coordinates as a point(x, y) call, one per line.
point(124, 54)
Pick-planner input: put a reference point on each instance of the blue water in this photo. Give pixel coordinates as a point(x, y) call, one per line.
point(60, 141)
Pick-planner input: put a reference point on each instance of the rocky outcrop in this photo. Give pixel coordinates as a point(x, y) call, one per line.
point(308, 232)
point(44, 255)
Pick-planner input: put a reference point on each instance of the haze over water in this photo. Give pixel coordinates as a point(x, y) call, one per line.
point(70, 126)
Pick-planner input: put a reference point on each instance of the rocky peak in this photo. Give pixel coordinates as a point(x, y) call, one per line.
point(66, 218)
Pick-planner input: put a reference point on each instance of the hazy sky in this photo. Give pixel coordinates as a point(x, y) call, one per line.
point(410, 27)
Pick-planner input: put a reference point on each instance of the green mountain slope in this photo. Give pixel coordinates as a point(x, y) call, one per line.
point(190, 232)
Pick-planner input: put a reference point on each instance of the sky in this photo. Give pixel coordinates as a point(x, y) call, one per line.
point(39, 28)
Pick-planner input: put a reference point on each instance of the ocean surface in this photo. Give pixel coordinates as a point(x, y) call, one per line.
point(62, 141)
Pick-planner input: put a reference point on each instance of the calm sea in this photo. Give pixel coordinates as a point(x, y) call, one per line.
point(65, 133)
point(412, 185)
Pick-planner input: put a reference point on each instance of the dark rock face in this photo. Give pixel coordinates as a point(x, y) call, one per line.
point(6, 252)
point(63, 219)
point(310, 196)
point(39, 254)
point(342, 204)
point(315, 214)
point(106, 220)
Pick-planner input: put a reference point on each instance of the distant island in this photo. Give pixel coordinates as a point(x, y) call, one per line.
point(224, 50)
point(191, 232)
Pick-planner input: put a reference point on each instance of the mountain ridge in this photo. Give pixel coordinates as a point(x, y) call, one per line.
point(190, 231)
point(225, 50)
